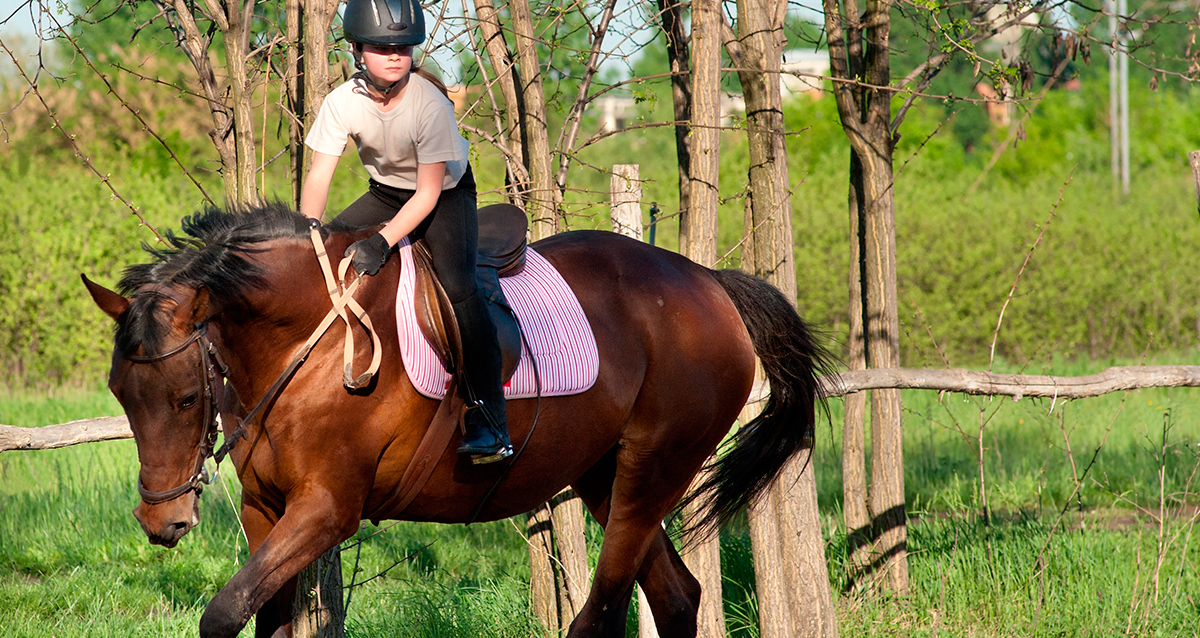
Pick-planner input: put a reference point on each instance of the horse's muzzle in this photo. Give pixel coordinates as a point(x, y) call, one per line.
point(166, 523)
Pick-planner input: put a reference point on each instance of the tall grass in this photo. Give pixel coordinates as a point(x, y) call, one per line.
point(1048, 560)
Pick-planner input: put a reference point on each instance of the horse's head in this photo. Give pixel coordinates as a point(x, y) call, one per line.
point(165, 378)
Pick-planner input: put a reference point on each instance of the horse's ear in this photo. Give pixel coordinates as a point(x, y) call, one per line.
point(199, 306)
point(110, 302)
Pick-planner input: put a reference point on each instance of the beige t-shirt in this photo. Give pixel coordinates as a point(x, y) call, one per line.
point(420, 129)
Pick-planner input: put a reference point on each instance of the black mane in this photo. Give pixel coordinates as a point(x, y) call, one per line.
point(212, 254)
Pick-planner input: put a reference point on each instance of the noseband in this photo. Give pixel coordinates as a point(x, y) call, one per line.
point(210, 366)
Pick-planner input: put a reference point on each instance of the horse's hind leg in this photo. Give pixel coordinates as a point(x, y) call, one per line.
point(671, 590)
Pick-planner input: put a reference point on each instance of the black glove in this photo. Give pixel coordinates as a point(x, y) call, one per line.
point(368, 255)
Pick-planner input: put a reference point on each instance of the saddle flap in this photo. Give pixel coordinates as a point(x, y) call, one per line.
point(435, 317)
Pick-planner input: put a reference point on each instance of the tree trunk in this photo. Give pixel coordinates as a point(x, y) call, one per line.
point(294, 71)
point(698, 224)
point(681, 95)
point(882, 327)
point(855, 516)
point(318, 16)
point(543, 593)
point(566, 514)
point(859, 50)
point(703, 559)
point(698, 242)
point(559, 578)
point(317, 611)
point(240, 15)
point(789, 551)
point(509, 78)
point(543, 194)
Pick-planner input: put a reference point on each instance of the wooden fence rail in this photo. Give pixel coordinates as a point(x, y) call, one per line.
point(977, 382)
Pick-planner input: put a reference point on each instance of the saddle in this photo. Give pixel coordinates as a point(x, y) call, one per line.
point(502, 232)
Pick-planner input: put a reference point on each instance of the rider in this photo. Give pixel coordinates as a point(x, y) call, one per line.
point(420, 186)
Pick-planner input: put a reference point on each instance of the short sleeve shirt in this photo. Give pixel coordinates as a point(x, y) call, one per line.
point(420, 129)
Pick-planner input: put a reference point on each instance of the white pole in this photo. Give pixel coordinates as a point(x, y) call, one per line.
point(1114, 114)
point(1123, 10)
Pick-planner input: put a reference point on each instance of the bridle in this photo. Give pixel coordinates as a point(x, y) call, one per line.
point(344, 305)
point(210, 366)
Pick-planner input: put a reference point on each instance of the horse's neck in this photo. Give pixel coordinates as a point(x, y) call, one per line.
point(273, 323)
point(263, 326)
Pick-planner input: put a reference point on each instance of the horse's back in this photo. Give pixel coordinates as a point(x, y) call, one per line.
point(676, 365)
point(660, 320)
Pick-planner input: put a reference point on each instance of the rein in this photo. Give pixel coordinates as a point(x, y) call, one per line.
point(341, 296)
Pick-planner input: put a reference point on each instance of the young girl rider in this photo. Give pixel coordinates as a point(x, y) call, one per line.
point(420, 186)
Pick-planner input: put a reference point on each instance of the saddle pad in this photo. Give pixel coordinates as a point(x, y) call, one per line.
point(551, 319)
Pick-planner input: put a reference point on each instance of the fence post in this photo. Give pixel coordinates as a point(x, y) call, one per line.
point(317, 610)
point(625, 192)
point(625, 195)
point(558, 561)
point(703, 559)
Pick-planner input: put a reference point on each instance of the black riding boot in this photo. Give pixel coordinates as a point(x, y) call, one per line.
point(486, 437)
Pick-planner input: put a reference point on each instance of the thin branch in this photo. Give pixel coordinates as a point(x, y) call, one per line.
point(1020, 126)
point(105, 178)
point(125, 104)
point(1028, 255)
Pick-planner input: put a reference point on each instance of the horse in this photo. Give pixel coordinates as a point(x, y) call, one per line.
point(210, 322)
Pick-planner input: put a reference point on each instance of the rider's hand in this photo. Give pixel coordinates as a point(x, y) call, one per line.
point(368, 255)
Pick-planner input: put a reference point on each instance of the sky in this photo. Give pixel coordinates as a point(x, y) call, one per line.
point(22, 24)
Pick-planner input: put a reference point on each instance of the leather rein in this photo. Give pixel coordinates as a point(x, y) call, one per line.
point(211, 366)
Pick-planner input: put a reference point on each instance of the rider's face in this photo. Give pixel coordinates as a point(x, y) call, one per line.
point(387, 64)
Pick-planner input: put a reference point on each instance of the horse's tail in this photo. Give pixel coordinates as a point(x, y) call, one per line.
point(792, 359)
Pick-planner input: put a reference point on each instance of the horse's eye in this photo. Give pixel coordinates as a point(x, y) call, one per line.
point(189, 400)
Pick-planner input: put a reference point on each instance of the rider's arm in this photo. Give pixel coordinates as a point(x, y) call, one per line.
point(315, 193)
point(429, 189)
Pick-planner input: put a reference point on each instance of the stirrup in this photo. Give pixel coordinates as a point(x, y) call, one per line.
point(484, 459)
point(499, 435)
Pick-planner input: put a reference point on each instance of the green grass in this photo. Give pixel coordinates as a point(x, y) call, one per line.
point(73, 561)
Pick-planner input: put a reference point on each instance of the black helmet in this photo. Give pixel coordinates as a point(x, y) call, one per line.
point(388, 23)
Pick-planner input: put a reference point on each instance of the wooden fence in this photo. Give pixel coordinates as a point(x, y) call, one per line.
point(557, 551)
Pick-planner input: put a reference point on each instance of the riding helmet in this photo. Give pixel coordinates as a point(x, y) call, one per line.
point(387, 23)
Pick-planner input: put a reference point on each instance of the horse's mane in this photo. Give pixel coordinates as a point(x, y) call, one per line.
point(212, 254)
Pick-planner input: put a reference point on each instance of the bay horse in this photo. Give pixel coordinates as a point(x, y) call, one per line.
point(677, 345)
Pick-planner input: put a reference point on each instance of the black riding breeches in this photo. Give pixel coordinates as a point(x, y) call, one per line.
point(452, 232)
point(451, 229)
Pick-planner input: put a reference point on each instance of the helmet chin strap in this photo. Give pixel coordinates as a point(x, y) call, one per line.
point(362, 68)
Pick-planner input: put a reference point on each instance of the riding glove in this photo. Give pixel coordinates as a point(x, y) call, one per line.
point(368, 255)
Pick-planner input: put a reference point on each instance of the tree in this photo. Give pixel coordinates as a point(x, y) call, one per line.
point(793, 581)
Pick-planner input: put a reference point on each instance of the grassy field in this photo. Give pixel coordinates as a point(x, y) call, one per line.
point(1091, 533)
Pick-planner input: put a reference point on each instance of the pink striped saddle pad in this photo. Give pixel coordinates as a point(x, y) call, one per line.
point(551, 318)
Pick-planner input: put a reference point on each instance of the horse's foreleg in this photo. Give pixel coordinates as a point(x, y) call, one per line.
point(274, 618)
point(305, 531)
